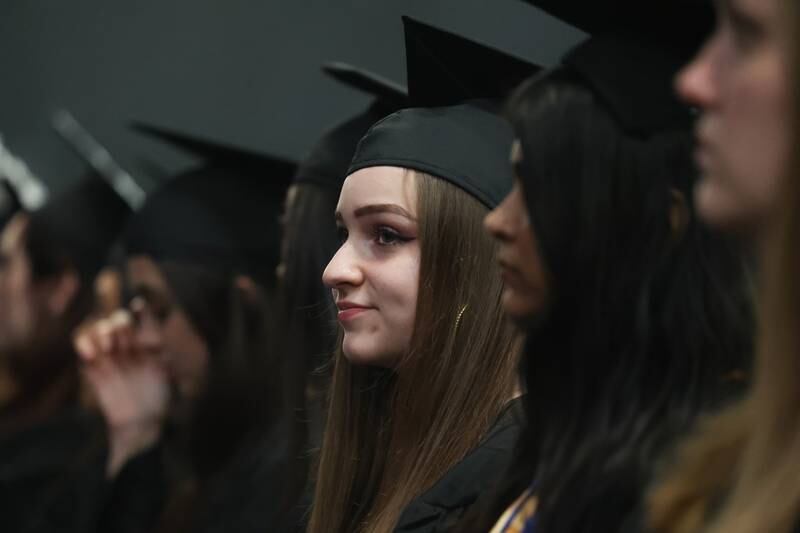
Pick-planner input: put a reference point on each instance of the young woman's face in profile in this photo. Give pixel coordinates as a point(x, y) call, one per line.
point(375, 273)
point(163, 330)
point(739, 82)
point(524, 285)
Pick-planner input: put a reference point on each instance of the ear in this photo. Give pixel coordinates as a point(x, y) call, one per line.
point(679, 214)
point(62, 292)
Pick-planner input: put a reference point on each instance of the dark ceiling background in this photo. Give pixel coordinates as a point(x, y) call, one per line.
point(241, 71)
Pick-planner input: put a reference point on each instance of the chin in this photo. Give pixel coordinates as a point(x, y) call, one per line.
point(720, 209)
point(366, 353)
point(518, 309)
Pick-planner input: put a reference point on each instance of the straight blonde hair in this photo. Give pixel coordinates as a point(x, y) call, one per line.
point(741, 473)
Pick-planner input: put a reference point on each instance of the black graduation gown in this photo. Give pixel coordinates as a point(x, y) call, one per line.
point(438, 509)
point(52, 474)
point(246, 496)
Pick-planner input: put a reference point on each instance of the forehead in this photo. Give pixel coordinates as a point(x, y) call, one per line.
point(377, 186)
point(144, 272)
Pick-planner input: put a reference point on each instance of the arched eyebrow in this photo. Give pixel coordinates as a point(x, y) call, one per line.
point(375, 209)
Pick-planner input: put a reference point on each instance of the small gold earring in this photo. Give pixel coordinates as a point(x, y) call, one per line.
point(460, 315)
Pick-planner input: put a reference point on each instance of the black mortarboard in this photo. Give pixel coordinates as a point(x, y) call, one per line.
point(222, 214)
point(633, 54)
point(277, 170)
point(327, 163)
point(84, 221)
point(466, 145)
point(444, 68)
point(384, 89)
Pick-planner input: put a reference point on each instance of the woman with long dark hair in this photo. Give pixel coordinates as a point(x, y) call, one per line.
point(639, 316)
point(190, 382)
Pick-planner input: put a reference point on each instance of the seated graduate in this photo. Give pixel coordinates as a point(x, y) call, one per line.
point(48, 262)
point(309, 242)
point(421, 417)
point(639, 317)
point(188, 379)
point(739, 473)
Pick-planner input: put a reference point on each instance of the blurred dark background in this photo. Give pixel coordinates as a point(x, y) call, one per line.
point(240, 71)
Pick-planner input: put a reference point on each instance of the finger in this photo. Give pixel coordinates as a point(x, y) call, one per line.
point(122, 324)
point(103, 336)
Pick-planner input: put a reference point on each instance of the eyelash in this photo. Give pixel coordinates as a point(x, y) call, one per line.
point(381, 235)
point(394, 237)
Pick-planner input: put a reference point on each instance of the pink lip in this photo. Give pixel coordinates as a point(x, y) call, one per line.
point(350, 314)
point(349, 310)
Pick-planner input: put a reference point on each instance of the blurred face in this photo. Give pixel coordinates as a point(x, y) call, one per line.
point(375, 273)
point(524, 288)
point(18, 307)
point(739, 82)
point(163, 330)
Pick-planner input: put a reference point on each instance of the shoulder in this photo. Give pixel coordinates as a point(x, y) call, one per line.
point(446, 501)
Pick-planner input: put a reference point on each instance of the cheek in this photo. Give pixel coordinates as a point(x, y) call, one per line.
point(528, 297)
point(753, 147)
point(187, 352)
point(382, 338)
point(397, 288)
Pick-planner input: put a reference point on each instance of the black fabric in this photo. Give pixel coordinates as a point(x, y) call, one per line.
point(635, 80)
point(443, 68)
point(676, 23)
point(224, 217)
point(327, 163)
point(467, 145)
point(443, 505)
point(52, 475)
point(84, 221)
point(367, 82)
point(245, 497)
point(276, 169)
point(635, 50)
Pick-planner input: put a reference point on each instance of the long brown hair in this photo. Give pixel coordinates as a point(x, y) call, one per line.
point(391, 435)
point(741, 472)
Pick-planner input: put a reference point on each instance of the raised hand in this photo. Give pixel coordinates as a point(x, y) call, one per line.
point(128, 383)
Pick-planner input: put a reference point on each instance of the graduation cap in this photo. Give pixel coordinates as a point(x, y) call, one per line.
point(444, 68)
point(327, 163)
point(84, 221)
point(222, 214)
point(634, 51)
point(221, 154)
point(458, 135)
point(466, 145)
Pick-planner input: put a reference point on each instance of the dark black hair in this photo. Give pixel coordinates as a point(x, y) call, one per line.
point(50, 257)
point(243, 407)
point(645, 325)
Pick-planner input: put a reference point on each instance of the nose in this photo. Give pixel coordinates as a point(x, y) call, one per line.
point(696, 83)
point(343, 269)
point(499, 222)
